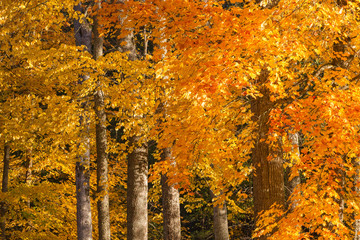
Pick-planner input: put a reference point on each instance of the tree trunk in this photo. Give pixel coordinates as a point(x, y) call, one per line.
point(5, 178)
point(221, 228)
point(171, 204)
point(5, 184)
point(137, 191)
point(101, 146)
point(357, 190)
point(170, 194)
point(28, 174)
point(83, 206)
point(137, 171)
point(82, 172)
point(268, 180)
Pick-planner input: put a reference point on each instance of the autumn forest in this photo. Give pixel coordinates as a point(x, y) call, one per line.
point(180, 119)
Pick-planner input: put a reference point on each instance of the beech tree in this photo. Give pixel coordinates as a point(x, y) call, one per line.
point(101, 141)
point(83, 36)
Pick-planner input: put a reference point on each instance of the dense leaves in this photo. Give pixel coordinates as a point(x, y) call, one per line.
point(207, 64)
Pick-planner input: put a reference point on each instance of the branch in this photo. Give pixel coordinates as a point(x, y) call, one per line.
point(323, 68)
point(356, 78)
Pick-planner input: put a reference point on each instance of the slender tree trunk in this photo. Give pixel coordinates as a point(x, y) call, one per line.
point(171, 204)
point(137, 191)
point(341, 200)
point(28, 174)
point(83, 206)
point(5, 178)
point(268, 180)
point(5, 184)
point(221, 228)
point(357, 190)
point(82, 172)
point(170, 194)
point(102, 168)
point(101, 146)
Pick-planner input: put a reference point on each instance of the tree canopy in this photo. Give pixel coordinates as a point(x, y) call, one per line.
point(246, 97)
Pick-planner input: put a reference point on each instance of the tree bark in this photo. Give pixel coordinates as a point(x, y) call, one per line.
point(137, 191)
point(5, 188)
point(82, 171)
point(221, 228)
point(171, 204)
point(83, 206)
point(101, 145)
point(268, 180)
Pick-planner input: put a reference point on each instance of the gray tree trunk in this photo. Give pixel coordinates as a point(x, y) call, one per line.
point(137, 181)
point(5, 188)
point(101, 146)
point(268, 180)
point(137, 191)
point(221, 228)
point(171, 204)
point(82, 171)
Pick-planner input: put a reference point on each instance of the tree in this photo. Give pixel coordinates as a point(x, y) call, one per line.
point(137, 178)
point(268, 177)
point(221, 228)
point(83, 33)
point(171, 203)
point(101, 143)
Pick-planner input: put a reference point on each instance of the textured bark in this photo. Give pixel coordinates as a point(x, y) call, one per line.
point(171, 204)
point(268, 180)
point(4, 188)
point(83, 206)
point(101, 146)
point(137, 191)
point(82, 172)
point(221, 228)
